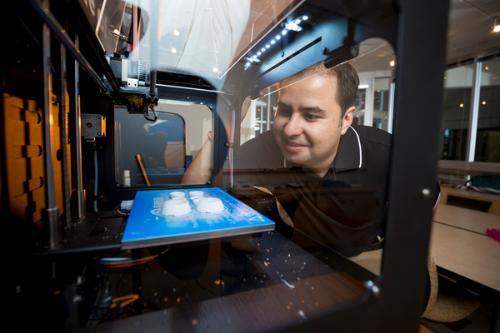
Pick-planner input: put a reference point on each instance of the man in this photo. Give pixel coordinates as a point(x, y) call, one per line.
point(329, 177)
point(335, 192)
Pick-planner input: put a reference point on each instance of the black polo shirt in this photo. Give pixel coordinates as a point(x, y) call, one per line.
point(343, 210)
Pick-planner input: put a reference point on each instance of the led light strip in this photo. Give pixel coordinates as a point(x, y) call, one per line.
point(293, 25)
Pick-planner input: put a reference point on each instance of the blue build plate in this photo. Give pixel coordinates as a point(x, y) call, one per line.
point(147, 226)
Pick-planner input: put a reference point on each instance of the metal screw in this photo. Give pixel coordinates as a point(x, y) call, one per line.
point(373, 287)
point(426, 193)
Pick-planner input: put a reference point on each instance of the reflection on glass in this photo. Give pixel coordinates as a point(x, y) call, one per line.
point(322, 181)
point(458, 85)
point(299, 160)
point(203, 38)
point(488, 126)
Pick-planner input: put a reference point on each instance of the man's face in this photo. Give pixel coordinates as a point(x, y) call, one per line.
point(309, 122)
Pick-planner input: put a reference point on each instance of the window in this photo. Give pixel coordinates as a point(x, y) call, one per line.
point(381, 103)
point(488, 124)
point(471, 118)
point(456, 114)
point(359, 114)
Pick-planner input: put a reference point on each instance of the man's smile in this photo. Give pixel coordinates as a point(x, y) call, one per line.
point(292, 147)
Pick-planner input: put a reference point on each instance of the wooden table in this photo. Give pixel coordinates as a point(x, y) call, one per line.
point(459, 244)
point(468, 254)
point(466, 219)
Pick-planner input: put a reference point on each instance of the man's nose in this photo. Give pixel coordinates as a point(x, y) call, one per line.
point(293, 126)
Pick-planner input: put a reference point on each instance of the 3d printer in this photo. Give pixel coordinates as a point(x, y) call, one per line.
point(171, 78)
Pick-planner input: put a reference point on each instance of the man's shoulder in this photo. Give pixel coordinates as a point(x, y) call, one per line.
point(373, 136)
point(374, 149)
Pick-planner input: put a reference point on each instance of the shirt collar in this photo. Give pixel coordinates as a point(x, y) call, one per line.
point(349, 153)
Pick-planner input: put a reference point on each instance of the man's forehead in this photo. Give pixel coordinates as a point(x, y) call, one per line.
point(308, 75)
point(308, 89)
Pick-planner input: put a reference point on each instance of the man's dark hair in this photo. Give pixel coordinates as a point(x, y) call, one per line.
point(347, 82)
point(347, 85)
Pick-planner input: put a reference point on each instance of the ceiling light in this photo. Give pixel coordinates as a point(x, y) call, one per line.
point(392, 63)
point(305, 17)
point(486, 68)
point(483, 102)
point(496, 25)
point(284, 32)
point(273, 42)
point(278, 37)
point(176, 32)
point(173, 50)
point(461, 105)
point(253, 59)
point(293, 26)
point(215, 70)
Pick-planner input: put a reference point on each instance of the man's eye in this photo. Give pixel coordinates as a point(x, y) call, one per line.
point(311, 117)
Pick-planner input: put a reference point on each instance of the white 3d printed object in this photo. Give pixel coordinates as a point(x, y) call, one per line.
point(210, 205)
point(176, 207)
point(196, 196)
point(178, 195)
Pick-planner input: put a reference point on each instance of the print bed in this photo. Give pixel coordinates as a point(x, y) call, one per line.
point(161, 217)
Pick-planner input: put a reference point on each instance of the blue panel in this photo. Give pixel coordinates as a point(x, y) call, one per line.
point(146, 226)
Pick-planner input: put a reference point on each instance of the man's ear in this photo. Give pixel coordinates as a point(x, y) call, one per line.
point(347, 119)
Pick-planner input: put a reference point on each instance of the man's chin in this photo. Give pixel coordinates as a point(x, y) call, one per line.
point(296, 159)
